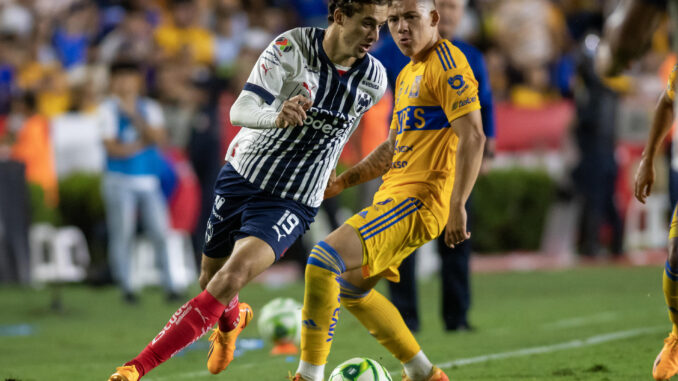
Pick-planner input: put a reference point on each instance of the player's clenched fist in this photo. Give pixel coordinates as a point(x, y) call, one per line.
point(293, 112)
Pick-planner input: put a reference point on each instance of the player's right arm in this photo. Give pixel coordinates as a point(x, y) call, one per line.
point(256, 106)
point(376, 164)
point(661, 124)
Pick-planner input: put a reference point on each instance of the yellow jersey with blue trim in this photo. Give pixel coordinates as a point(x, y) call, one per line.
point(430, 94)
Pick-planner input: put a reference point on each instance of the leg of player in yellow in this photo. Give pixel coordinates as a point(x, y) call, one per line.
point(666, 363)
point(342, 251)
point(384, 322)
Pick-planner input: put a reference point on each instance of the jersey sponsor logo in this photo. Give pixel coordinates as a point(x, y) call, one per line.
point(456, 82)
point(399, 164)
point(462, 103)
point(422, 118)
point(330, 123)
point(414, 89)
point(403, 149)
point(413, 117)
point(363, 214)
point(266, 69)
point(287, 223)
point(283, 44)
point(363, 103)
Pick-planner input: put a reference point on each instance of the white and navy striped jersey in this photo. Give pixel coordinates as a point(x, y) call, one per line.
point(296, 162)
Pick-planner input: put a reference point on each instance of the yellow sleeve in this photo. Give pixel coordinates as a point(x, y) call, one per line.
point(453, 82)
point(671, 84)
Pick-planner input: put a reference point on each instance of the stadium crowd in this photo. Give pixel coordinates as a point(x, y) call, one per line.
point(56, 58)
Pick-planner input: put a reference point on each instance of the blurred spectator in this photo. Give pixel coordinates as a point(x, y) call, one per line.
point(230, 21)
point(73, 35)
point(132, 39)
point(132, 129)
point(16, 18)
point(595, 175)
point(530, 33)
point(92, 73)
point(205, 150)
point(76, 135)
point(33, 145)
point(7, 72)
point(53, 92)
point(311, 12)
point(183, 36)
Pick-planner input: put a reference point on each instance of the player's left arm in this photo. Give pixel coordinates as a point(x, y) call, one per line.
point(469, 129)
point(456, 87)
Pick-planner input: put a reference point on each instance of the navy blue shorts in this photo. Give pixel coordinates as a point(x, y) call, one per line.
point(241, 209)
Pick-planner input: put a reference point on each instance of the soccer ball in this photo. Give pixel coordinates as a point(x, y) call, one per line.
point(280, 321)
point(360, 369)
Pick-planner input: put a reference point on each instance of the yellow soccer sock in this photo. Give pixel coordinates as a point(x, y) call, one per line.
point(670, 286)
point(382, 320)
point(321, 303)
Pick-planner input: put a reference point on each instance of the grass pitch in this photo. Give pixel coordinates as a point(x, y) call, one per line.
point(583, 324)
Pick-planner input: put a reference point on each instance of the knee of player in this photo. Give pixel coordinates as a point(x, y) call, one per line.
point(203, 279)
point(350, 295)
point(228, 281)
point(325, 257)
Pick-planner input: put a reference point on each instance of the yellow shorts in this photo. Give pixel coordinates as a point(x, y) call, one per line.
point(391, 229)
point(673, 230)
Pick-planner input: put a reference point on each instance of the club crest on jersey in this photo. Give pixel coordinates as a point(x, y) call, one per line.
point(414, 89)
point(363, 103)
point(209, 232)
point(283, 44)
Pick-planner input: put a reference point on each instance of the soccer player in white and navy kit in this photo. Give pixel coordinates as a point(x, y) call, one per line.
point(303, 99)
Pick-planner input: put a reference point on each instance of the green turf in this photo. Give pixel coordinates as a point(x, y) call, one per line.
point(511, 312)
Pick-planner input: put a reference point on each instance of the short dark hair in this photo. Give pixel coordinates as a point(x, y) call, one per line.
point(124, 67)
point(350, 7)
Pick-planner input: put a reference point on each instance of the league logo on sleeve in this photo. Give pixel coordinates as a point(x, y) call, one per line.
point(283, 44)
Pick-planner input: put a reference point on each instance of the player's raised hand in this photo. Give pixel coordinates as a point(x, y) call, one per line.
point(455, 230)
point(644, 180)
point(293, 112)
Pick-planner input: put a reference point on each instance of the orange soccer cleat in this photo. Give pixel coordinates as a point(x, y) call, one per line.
point(436, 375)
point(125, 373)
point(222, 344)
point(666, 364)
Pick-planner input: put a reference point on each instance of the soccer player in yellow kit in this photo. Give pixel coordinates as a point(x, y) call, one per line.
point(666, 364)
point(430, 160)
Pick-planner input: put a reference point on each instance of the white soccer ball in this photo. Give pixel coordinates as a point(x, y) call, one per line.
point(280, 321)
point(360, 369)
